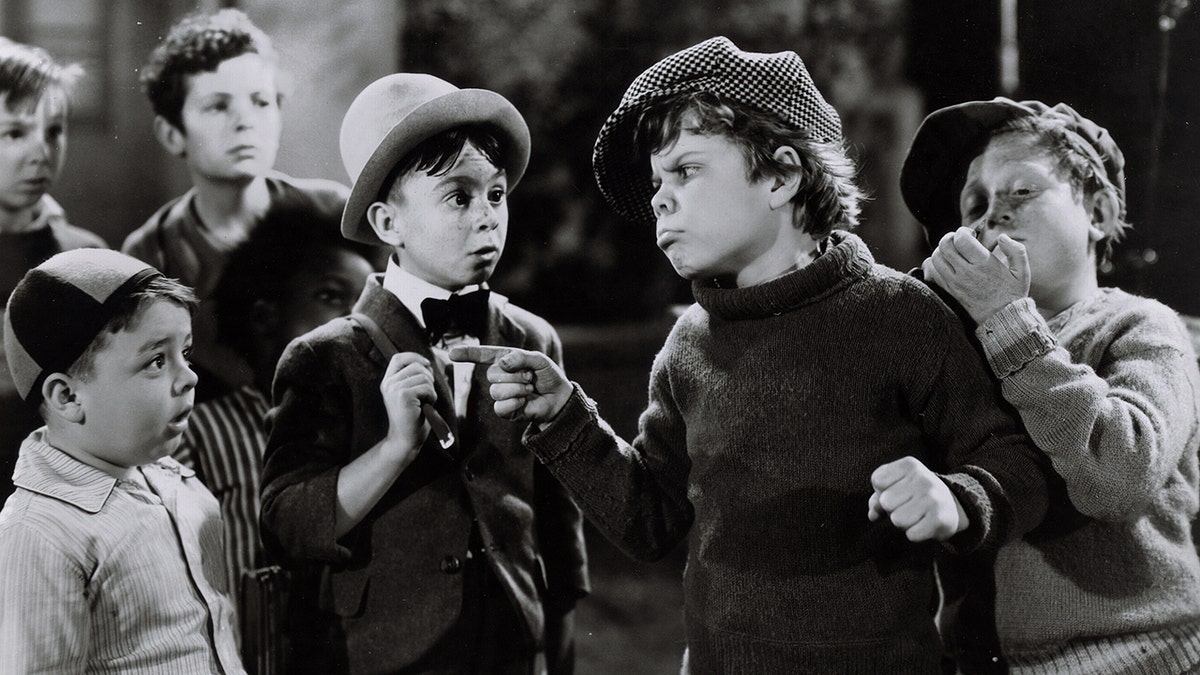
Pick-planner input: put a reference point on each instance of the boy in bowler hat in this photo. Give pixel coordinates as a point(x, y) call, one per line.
point(453, 552)
point(812, 418)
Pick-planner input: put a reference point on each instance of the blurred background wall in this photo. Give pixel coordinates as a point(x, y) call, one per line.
point(883, 63)
point(1128, 64)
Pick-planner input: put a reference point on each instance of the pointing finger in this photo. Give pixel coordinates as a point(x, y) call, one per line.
point(481, 354)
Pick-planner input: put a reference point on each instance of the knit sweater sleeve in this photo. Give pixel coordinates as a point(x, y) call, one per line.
point(1116, 413)
point(636, 494)
point(994, 470)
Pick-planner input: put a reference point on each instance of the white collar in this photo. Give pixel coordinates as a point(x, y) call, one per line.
point(411, 289)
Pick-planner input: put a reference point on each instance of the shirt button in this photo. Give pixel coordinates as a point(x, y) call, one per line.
point(468, 474)
point(451, 565)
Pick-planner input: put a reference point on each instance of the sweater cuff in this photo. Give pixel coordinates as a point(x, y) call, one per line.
point(1014, 336)
point(551, 440)
point(976, 504)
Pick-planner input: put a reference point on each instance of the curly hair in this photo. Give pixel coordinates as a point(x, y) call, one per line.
point(197, 43)
point(828, 196)
point(27, 71)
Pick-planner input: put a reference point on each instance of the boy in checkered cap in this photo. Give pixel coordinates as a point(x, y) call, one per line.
point(1024, 201)
point(109, 550)
point(810, 412)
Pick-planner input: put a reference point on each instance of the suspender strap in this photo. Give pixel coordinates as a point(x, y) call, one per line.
point(441, 430)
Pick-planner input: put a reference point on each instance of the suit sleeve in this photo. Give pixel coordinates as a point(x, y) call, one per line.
point(307, 443)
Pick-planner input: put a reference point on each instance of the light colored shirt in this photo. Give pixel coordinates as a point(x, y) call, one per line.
point(411, 291)
point(1108, 390)
point(224, 443)
point(106, 575)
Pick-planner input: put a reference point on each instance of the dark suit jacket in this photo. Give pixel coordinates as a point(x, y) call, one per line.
point(392, 585)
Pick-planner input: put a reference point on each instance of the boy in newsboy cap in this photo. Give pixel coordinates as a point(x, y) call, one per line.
point(109, 549)
point(1023, 201)
point(809, 393)
point(455, 553)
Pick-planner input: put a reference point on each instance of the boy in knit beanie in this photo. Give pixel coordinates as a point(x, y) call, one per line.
point(815, 420)
point(110, 551)
point(1024, 201)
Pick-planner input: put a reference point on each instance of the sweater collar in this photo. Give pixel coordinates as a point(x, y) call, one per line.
point(845, 261)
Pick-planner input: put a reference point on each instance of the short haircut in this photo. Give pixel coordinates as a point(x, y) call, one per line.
point(198, 43)
point(1086, 177)
point(27, 71)
point(283, 244)
point(828, 194)
point(436, 154)
point(127, 312)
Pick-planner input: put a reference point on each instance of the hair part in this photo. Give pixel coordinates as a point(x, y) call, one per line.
point(198, 43)
point(27, 72)
point(127, 312)
point(1087, 178)
point(827, 197)
point(438, 153)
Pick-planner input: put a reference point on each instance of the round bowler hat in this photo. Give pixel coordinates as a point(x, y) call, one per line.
point(394, 114)
point(777, 83)
point(951, 138)
point(60, 306)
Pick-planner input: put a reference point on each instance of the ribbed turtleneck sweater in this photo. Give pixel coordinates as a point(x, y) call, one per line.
point(769, 407)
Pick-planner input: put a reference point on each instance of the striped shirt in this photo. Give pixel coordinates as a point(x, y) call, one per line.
point(224, 443)
point(105, 575)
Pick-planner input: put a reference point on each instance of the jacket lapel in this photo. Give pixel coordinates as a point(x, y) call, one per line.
point(404, 330)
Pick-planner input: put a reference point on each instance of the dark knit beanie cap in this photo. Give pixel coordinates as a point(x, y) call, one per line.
point(60, 306)
point(777, 83)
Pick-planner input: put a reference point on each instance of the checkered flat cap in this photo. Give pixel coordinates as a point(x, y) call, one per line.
point(60, 306)
point(776, 82)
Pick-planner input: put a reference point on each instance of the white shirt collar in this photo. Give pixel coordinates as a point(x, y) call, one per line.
point(411, 289)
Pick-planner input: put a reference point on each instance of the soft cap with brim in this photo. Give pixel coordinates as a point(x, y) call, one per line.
point(394, 114)
point(60, 306)
point(777, 83)
point(951, 138)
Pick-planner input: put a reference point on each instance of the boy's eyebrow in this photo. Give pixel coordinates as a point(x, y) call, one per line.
point(458, 178)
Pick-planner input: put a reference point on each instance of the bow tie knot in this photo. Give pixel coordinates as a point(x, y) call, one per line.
point(466, 314)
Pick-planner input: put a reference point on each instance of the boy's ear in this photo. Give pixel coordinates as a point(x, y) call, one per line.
point(58, 395)
point(1105, 210)
point(784, 188)
point(383, 220)
point(169, 136)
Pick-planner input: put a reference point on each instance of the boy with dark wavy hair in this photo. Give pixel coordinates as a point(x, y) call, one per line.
point(214, 87)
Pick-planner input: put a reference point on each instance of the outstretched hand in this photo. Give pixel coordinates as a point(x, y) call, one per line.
point(917, 501)
point(982, 281)
point(526, 385)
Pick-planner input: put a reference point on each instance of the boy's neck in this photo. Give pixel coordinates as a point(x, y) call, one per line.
point(792, 251)
point(19, 220)
point(64, 442)
point(227, 205)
